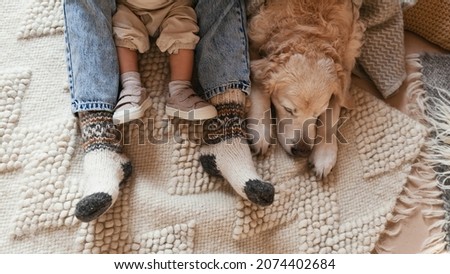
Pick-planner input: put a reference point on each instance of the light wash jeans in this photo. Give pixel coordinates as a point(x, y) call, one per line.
point(222, 60)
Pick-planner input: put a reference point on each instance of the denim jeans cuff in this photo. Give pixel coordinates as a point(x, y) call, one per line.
point(242, 85)
point(92, 106)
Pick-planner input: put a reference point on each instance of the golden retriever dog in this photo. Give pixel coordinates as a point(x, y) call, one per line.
point(302, 55)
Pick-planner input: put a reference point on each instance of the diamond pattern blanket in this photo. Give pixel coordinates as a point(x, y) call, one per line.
point(170, 204)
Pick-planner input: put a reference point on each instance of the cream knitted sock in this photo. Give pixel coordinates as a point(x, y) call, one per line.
point(227, 154)
point(105, 169)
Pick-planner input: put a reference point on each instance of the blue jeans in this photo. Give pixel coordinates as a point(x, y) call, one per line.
point(221, 57)
point(222, 60)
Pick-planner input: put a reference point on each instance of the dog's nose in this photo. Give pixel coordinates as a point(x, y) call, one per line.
point(301, 150)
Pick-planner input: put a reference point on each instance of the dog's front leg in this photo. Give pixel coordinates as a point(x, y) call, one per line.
point(324, 154)
point(259, 120)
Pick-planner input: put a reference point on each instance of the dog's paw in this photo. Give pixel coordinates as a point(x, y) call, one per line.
point(260, 147)
point(322, 159)
point(258, 138)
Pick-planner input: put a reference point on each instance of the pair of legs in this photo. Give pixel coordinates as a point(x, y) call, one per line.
point(174, 25)
point(222, 66)
point(182, 102)
point(181, 64)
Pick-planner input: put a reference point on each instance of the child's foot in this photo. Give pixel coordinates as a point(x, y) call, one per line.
point(132, 105)
point(184, 103)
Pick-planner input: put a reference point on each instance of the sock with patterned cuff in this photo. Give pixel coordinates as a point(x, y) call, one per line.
point(105, 168)
point(226, 153)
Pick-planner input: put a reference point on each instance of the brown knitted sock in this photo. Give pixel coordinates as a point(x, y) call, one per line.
point(105, 168)
point(226, 152)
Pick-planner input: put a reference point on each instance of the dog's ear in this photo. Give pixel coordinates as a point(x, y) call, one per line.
point(344, 99)
point(261, 69)
point(261, 72)
point(342, 92)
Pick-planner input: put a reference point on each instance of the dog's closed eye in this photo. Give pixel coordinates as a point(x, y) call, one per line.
point(289, 110)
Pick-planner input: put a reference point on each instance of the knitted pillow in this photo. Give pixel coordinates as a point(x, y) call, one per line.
point(431, 20)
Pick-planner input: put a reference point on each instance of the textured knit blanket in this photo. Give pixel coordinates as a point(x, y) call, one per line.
point(170, 204)
point(430, 94)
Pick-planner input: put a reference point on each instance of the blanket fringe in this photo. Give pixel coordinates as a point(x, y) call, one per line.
point(424, 192)
point(405, 207)
point(427, 191)
point(407, 203)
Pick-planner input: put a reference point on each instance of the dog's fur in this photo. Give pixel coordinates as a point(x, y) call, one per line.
point(302, 55)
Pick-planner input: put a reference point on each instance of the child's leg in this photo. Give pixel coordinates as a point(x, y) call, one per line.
point(128, 60)
point(130, 37)
point(181, 65)
point(129, 71)
point(183, 102)
point(133, 98)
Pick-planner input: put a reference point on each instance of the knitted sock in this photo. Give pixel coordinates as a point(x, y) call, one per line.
point(227, 154)
point(105, 169)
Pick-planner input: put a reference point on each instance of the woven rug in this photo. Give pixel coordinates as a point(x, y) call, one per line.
point(430, 103)
point(171, 205)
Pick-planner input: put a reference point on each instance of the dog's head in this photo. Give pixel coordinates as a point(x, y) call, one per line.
point(300, 89)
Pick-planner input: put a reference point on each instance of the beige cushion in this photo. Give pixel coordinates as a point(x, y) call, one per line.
point(431, 20)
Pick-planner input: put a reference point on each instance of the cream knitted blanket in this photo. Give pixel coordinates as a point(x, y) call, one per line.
point(170, 204)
